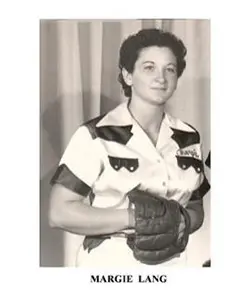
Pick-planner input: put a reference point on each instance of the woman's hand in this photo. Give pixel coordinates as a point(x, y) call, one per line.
point(131, 218)
point(181, 227)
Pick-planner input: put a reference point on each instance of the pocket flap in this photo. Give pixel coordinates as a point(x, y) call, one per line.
point(131, 164)
point(186, 162)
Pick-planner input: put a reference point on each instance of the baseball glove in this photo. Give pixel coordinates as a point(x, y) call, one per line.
point(157, 236)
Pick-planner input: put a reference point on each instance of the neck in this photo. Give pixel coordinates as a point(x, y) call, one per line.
point(148, 115)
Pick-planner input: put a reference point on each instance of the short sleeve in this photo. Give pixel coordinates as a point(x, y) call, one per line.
point(201, 191)
point(204, 187)
point(81, 163)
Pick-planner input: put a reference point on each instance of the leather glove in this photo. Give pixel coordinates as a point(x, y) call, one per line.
point(157, 225)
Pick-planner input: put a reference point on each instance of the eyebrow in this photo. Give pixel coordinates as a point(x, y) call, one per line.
point(148, 61)
point(173, 64)
point(152, 62)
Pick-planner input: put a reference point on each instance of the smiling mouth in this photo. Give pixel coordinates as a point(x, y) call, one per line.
point(159, 88)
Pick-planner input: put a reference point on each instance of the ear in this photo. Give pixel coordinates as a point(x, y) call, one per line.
point(127, 76)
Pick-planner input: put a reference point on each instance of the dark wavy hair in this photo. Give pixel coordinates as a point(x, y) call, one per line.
point(131, 47)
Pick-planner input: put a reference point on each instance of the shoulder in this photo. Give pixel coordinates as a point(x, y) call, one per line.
point(85, 133)
point(105, 121)
point(184, 133)
point(180, 124)
point(114, 126)
point(91, 125)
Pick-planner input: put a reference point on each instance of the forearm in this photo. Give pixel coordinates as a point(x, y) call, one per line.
point(196, 213)
point(79, 218)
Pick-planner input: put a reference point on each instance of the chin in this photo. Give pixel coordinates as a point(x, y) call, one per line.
point(158, 100)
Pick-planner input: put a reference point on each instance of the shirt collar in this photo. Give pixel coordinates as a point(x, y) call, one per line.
point(176, 123)
point(120, 116)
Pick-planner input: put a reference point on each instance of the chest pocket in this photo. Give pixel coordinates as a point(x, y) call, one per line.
point(186, 162)
point(131, 164)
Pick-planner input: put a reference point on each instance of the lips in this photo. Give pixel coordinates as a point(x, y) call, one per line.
point(159, 88)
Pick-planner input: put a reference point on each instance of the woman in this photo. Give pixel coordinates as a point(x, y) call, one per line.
point(136, 146)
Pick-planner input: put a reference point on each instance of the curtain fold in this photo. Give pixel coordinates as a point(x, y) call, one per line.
point(69, 78)
point(84, 85)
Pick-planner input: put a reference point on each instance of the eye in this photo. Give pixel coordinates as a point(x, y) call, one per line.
point(171, 70)
point(149, 67)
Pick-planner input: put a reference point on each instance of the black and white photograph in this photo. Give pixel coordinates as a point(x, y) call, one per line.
point(125, 152)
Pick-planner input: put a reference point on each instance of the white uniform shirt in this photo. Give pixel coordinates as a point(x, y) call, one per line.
point(109, 156)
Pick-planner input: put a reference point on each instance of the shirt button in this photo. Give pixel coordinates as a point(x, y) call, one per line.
point(158, 160)
point(131, 168)
point(164, 183)
point(184, 167)
point(116, 167)
point(198, 170)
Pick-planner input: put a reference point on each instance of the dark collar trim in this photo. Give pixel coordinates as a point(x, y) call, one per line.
point(119, 134)
point(185, 138)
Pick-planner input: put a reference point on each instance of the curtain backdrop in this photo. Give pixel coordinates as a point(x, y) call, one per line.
point(78, 81)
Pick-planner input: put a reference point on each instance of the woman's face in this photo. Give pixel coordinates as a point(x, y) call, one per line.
point(154, 78)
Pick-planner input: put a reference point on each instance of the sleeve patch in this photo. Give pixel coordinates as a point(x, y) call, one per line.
point(64, 176)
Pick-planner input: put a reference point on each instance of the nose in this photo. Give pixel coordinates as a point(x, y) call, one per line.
point(161, 78)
